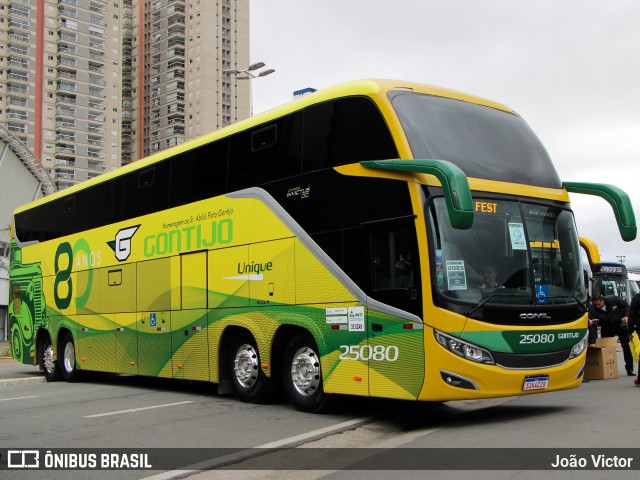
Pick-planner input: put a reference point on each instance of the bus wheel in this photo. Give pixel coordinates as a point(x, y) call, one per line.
point(68, 359)
point(302, 376)
point(48, 363)
point(248, 381)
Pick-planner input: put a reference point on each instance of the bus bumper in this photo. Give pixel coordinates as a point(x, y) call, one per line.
point(454, 378)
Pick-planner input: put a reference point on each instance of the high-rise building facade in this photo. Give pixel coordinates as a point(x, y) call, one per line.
point(88, 85)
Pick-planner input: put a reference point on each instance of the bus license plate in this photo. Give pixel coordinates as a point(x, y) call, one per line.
point(539, 382)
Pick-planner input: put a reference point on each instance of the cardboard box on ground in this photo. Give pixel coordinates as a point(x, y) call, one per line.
point(602, 360)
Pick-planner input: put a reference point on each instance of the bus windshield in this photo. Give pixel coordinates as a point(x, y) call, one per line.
point(515, 253)
point(613, 279)
point(484, 142)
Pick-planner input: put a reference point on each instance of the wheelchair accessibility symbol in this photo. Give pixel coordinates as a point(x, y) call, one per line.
point(542, 294)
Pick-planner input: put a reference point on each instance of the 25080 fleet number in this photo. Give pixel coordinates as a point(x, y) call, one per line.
point(378, 353)
point(531, 338)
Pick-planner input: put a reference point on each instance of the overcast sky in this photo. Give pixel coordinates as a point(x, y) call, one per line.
point(571, 68)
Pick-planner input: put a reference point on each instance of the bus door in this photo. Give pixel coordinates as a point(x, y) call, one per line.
point(154, 318)
point(189, 323)
point(395, 350)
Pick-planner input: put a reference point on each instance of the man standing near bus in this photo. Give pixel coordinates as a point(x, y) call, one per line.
point(634, 324)
point(612, 314)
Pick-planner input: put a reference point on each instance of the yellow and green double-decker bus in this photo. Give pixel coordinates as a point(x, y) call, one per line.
point(335, 245)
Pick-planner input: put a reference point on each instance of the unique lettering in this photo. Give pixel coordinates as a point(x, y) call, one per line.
point(246, 268)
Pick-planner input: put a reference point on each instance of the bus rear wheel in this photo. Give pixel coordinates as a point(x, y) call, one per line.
point(302, 375)
point(248, 381)
point(48, 362)
point(67, 358)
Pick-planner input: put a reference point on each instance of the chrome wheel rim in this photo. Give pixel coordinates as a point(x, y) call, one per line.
point(305, 371)
point(245, 366)
point(48, 361)
point(69, 357)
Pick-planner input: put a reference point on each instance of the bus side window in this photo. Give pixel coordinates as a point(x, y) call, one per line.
point(346, 130)
point(393, 260)
point(69, 214)
point(146, 191)
point(266, 154)
point(199, 174)
point(100, 194)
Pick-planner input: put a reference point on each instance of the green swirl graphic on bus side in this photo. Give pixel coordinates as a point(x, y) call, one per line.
point(27, 307)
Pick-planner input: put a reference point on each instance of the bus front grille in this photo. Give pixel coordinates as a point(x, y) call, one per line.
point(531, 360)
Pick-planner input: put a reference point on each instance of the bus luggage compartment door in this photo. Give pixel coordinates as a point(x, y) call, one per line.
point(189, 325)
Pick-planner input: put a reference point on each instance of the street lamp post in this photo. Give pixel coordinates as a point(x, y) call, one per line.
point(250, 73)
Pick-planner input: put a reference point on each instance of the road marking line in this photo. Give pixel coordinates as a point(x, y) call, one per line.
point(18, 398)
point(131, 410)
point(318, 434)
point(246, 454)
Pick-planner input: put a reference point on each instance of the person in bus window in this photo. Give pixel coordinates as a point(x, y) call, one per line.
point(612, 314)
point(404, 272)
point(490, 274)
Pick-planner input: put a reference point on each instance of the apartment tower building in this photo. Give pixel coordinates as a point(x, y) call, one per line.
point(89, 85)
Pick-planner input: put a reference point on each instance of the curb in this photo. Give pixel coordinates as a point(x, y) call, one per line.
point(9, 382)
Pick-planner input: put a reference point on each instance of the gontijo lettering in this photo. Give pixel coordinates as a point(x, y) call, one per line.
point(193, 237)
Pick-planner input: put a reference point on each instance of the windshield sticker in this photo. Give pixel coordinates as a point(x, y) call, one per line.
point(516, 233)
point(456, 275)
point(542, 293)
point(439, 268)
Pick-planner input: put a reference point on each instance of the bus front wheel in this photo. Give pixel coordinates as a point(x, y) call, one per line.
point(302, 375)
point(67, 358)
point(248, 381)
point(48, 362)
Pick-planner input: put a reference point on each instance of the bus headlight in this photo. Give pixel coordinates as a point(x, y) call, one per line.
point(464, 349)
point(579, 347)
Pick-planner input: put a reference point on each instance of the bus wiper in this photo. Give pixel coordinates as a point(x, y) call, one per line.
point(475, 307)
point(583, 306)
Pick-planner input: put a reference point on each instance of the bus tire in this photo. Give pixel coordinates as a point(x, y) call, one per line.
point(302, 374)
point(48, 362)
point(67, 358)
point(248, 381)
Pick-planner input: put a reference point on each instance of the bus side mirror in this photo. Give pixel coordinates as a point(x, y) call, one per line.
point(617, 198)
point(454, 182)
